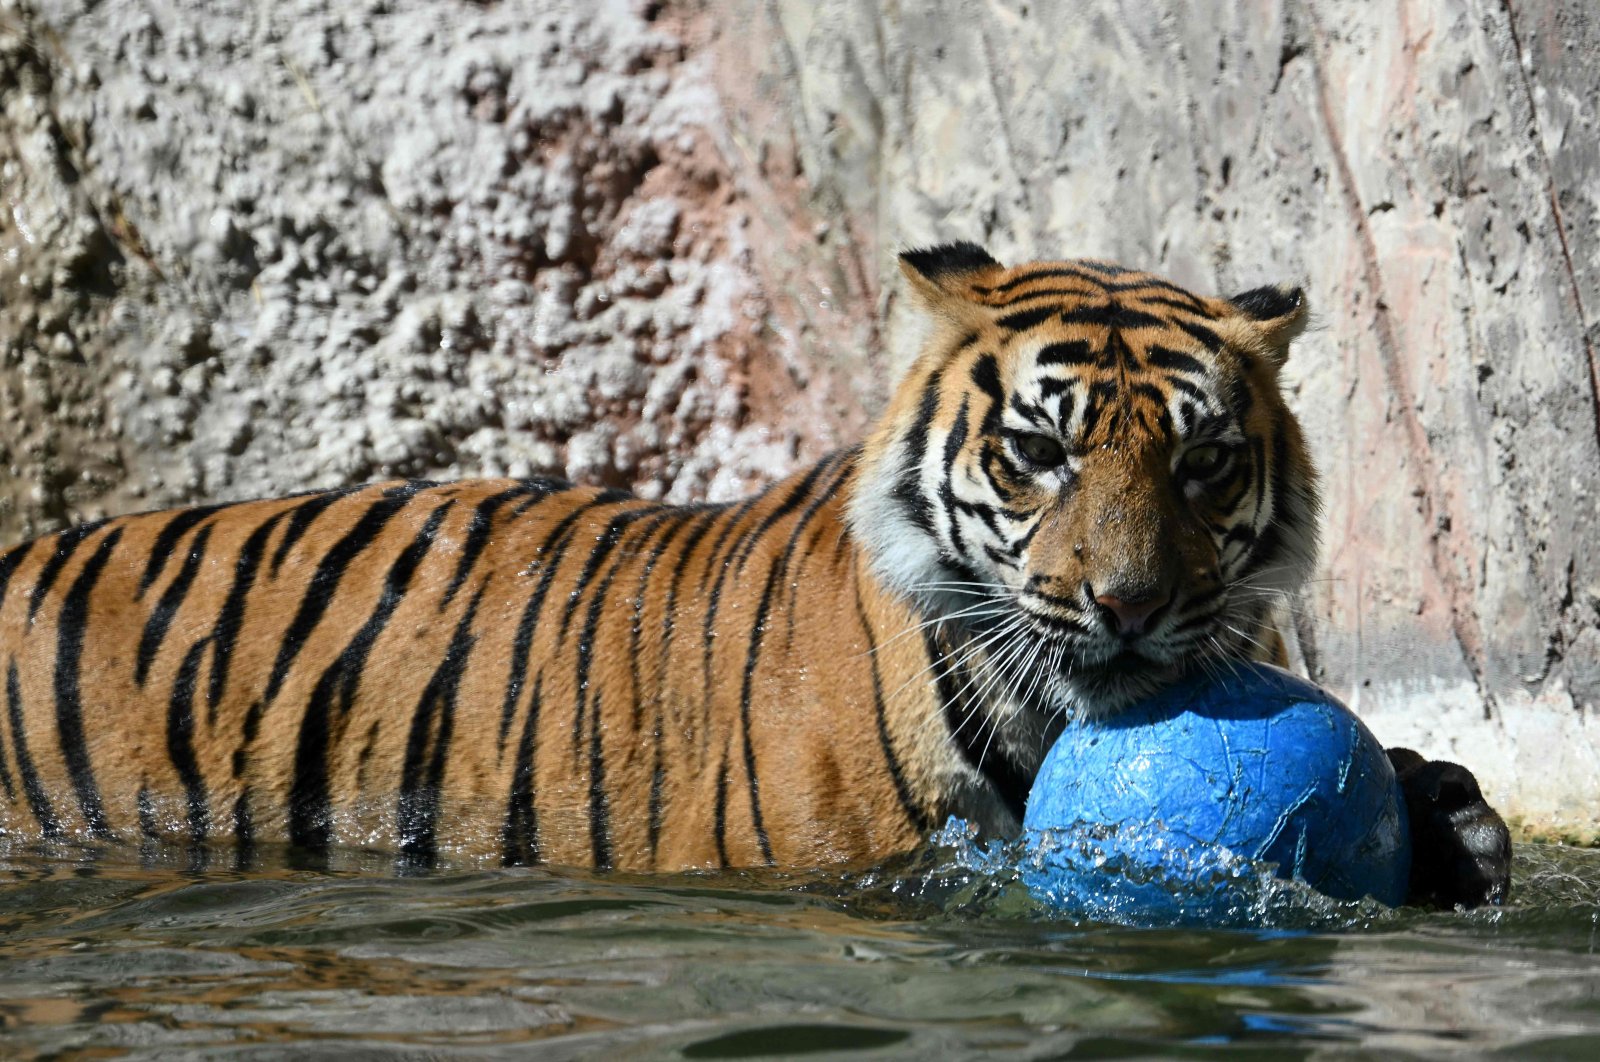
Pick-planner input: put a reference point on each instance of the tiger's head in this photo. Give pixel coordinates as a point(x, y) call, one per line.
point(1090, 474)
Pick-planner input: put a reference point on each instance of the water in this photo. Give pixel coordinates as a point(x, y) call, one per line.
point(126, 954)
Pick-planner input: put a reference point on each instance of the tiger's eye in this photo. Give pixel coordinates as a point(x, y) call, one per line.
point(1202, 462)
point(1041, 450)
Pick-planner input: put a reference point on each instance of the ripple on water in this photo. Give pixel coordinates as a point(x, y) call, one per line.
point(941, 953)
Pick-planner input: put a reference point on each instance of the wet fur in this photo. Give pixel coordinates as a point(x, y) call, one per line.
point(817, 674)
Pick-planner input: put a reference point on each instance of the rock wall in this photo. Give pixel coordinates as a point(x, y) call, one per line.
point(252, 248)
point(256, 248)
point(1430, 172)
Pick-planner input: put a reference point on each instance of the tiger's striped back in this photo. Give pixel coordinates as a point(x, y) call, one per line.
point(525, 668)
point(1087, 484)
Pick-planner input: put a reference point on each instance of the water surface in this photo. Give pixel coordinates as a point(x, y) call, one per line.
point(118, 953)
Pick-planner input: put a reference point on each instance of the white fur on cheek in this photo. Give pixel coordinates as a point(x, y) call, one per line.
point(903, 555)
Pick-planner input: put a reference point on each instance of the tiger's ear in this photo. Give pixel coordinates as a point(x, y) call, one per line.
point(1277, 314)
point(943, 277)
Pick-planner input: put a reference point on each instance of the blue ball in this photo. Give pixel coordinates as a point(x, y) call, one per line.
point(1154, 814)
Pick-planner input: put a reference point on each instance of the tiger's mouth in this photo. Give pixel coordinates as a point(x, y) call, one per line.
point(1118, 680)
point(1124, 664)
point(1087, 672)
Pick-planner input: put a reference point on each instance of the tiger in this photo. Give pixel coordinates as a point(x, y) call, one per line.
point(1087, 484)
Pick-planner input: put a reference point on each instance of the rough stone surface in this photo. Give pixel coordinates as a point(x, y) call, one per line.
point(1429, 171)
point(253, 248)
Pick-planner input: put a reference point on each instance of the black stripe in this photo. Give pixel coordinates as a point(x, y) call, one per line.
point(519, 845)
point(585, 648)
point(479, 529)
point(309, 797)
point(597, 605)
point(1179, 383)
point(1021, 543)
point(303, 515)
point(1272, 539)
point(1100, 395)
point(67, 543)
point(5, 771)
point(1064, 624)
point(986, 513)
point(729, 526)
point(1258, 451)
point(636, 632)
point(839, 463)
point(908, 480)
point(1036, 415)
point(1119, 355)
point(70, 626)
point(149, 822)
point(599, 803)
point(1177, 297)
point(1043, 274)
point(1238, 535)
point(605, 542)
point(1072, 604)
point(1072, 352)
point(846, 464)
point(160, 621)
point(709, 632)
point(1173, 360)
point(991, 456)
point(555, 545)
point(954, 567)
point(1023, 319)
point(1109, 269)
point(999, 558)
point(244, 831)
point(986, 377)
point(1157, 398)
point(352, 662)
point(167, 541)
point(947, 494)
point(1010, 784)
point(1191, 306)
point(323, 586)
point(1112, 315)
point(1239, 398)
point(1206, 337)
point(225, 635)
point(247, 731)
point(8, 564)
point(908, 803)
point(1051, 386)
point(686, 554)
point(1066, 407)
point(1185, 416)
point(180, 741)
point(1045, 293)
point(719, 813)
point(757, 629)
point(38, 799)
point(658, 782)
point(428, 747)
point(790, 503)
point(541, 487)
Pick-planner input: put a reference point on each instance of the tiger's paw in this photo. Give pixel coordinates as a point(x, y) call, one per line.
point(1460, 847)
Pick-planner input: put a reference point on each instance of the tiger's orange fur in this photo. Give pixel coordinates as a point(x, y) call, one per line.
point(561, 674)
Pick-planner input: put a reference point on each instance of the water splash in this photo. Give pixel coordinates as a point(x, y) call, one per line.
point(963, 875)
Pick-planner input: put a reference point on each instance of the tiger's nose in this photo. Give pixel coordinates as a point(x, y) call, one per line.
point(1131, 617)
